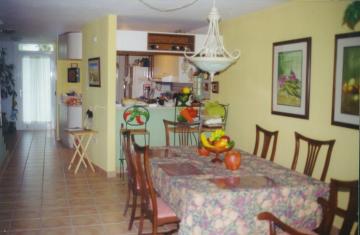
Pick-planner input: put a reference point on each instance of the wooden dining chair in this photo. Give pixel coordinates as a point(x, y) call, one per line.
point(184, 134)
point(313, 150)
point(275, 224)
point(133, 181)
point(267, 136)
point(330, 209)
point(152, 206)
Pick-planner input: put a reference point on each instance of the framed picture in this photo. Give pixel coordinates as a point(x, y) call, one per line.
point(346, 85)
point(215, 87)
point(291, 78)
point(206, 86)
point(94, 72)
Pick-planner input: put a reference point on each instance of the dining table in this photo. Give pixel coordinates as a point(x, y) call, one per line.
point(212, 200)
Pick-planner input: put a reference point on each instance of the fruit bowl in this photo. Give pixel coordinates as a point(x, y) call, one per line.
point(218, 151)
point(217, 143)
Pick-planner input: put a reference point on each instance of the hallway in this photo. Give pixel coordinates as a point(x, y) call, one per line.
point(38, 195)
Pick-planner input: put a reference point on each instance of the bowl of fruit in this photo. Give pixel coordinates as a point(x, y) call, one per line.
point(217, 143)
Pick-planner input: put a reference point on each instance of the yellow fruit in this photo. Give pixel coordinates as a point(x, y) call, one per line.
point(204, 141)
point(186, 90)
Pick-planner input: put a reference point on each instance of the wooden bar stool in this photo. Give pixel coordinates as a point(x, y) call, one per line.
point(82, 139)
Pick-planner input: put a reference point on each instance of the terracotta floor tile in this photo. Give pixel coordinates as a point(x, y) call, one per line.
point(120, 228)
point(90, 230)
point(85, 220)
point(83, 210)
point(55, 222)
point(55, 212)
point(114, 217)
point(57, 231)
point(25, 224)
point(26, 232)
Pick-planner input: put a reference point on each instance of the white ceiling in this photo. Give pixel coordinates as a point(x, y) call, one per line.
point(45, 19)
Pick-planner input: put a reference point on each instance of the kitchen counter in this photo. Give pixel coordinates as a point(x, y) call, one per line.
point(155, 126)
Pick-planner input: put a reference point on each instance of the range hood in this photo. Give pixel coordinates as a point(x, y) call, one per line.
point(172, 68)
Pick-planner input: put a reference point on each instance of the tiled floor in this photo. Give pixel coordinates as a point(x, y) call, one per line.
point(38, 195)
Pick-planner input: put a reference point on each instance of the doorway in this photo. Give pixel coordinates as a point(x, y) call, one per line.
point(36, 91)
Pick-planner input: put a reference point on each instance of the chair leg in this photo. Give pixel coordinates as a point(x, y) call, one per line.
point(133, 211)
point(154, 227)
point(141, 223)
point(127, 201)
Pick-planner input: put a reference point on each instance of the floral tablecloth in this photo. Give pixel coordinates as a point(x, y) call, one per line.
point(205, 208)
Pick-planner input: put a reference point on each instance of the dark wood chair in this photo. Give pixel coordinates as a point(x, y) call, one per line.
point(267, 136)
point(132, 181)
point(184, 134)
point(152, 206)
point(275, 223)
point(313, 150)
point(330, 210)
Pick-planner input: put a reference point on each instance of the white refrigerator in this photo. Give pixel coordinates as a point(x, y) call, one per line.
point(139, 80)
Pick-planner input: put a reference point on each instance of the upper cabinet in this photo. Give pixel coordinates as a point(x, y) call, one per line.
point(142, 41)
point(131, 40)
point(70, 46)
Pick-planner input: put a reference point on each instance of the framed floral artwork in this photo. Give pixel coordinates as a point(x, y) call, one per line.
point(346, 84)
point(291, 78)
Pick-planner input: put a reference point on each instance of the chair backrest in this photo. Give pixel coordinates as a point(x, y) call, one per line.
point(136, 116)
point(126, 147)
point(267, 136)
point(331, 207)
point(148, 194)
point(313, 150)
point(186, 133)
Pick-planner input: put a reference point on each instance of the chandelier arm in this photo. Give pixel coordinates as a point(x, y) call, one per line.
point(169, 9)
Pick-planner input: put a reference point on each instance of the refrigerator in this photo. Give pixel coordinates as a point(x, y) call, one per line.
point(139, 80)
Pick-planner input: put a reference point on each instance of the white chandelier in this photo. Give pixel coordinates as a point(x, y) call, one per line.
point(213, 57)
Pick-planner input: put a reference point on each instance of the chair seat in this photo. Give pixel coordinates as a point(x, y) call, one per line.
point(140, 131)
point(164, 211)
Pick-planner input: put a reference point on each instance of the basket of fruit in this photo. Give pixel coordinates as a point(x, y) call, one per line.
point(217, 143)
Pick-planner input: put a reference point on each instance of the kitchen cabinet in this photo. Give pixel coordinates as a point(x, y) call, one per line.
point(70, 46)
point(157, 43)
point(127, 40)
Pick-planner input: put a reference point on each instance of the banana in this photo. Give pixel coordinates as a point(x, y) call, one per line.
point(204, 141)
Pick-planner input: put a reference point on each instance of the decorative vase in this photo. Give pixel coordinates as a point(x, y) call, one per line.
point(232, 160)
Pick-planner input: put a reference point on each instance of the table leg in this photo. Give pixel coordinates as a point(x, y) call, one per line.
point(85, 153)
point(77, 151)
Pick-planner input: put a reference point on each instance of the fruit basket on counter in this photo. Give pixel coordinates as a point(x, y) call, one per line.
point(217, 143)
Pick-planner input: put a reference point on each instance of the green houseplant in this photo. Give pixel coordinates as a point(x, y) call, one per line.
point(7, 83)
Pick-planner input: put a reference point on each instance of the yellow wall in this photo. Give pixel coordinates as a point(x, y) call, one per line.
point(99, 41)
point(62, 84)
point(247, 84)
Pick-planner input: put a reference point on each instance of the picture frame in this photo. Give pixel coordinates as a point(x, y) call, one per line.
point(94, 72)
point(215, 87)
point(206, 86)
point(291, 78)
point(346, 81)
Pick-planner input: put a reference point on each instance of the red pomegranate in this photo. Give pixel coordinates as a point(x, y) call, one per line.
point(232, 160)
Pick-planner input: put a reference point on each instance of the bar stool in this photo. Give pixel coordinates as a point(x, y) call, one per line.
point(135, 118)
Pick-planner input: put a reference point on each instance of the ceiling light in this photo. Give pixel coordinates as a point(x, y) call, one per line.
point(213, 57)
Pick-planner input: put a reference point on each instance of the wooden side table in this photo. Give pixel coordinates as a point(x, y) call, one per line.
point(82, 139)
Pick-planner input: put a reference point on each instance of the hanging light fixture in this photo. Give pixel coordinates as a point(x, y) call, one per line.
point(213, 57)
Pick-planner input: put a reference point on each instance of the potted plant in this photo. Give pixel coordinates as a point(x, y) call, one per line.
point(7, 84)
